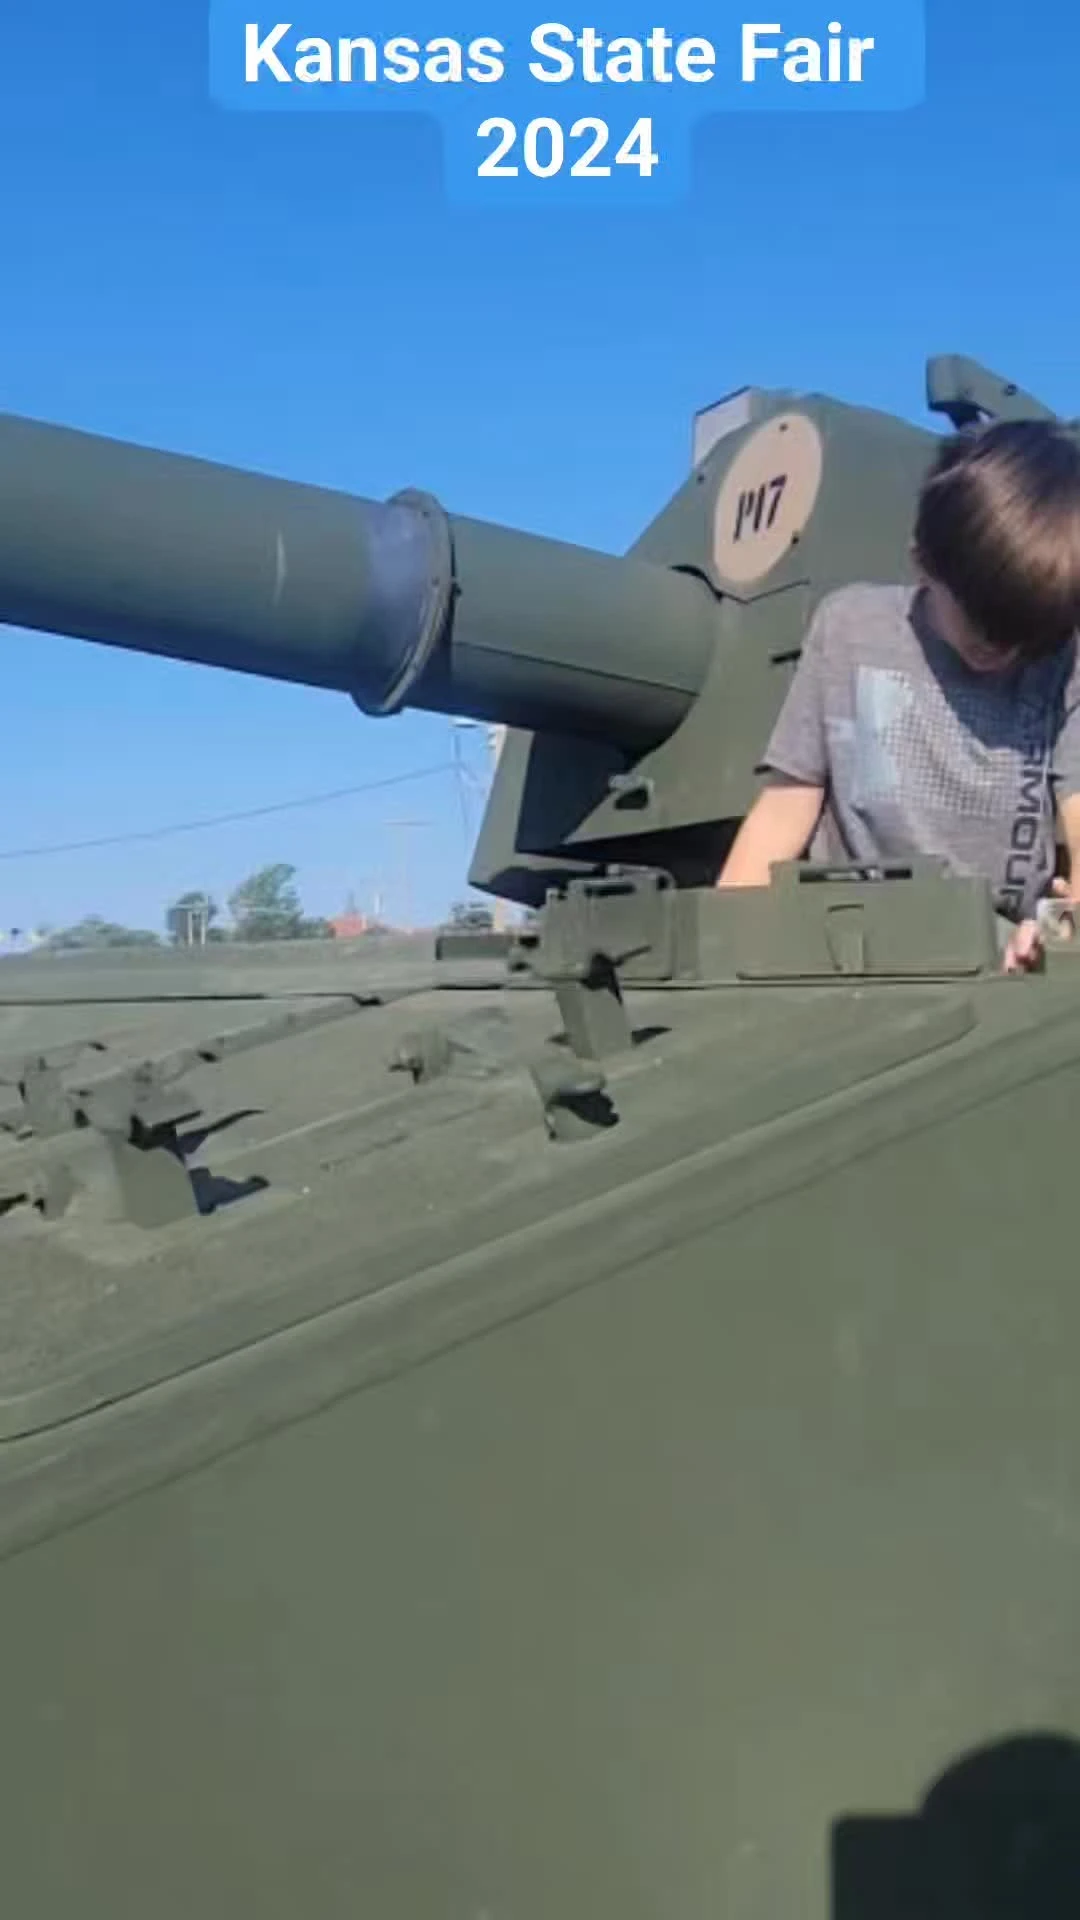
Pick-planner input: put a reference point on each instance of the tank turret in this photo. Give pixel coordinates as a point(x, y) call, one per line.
point(636, 689)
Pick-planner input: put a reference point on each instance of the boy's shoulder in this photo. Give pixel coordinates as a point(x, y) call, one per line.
point(863, 610)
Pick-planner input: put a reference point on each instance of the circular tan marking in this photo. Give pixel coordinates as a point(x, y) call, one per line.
point(767, 497)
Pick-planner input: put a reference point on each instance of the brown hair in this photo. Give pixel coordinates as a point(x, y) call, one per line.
point(998, 524)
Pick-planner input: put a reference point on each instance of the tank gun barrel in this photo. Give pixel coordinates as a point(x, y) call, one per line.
point(395, 603)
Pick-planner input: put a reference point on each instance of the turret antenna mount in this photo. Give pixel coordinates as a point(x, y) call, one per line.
point(968, 393)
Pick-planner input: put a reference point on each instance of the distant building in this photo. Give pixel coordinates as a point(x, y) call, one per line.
point(348, 926)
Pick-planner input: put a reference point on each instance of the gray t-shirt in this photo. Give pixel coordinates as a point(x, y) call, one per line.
point(920, 754)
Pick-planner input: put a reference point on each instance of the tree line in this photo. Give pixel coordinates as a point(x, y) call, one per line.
point(265, 906)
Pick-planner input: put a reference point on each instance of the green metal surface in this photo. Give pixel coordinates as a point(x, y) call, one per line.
point(585, 1431)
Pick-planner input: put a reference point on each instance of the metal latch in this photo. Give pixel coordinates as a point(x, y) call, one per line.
point(629, 917)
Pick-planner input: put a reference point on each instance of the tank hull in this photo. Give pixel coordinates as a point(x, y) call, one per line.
point(642, 1531)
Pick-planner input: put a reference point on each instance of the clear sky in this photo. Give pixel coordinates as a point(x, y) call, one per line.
point(289, 292)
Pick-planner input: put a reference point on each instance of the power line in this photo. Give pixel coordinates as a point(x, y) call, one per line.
point(223, 819)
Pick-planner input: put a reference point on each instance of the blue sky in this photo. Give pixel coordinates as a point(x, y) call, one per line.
point(289, 292)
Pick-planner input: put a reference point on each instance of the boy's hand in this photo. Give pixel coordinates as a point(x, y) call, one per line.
point(1027, 945)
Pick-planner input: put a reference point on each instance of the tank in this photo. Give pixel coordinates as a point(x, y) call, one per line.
point(578, 1422)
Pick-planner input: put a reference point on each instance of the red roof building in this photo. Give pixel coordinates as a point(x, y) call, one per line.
point(348, 926)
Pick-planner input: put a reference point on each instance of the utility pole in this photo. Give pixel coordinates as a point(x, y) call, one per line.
point(495, 737)
point(462, 779)
point(496, 741)
point(403, 828)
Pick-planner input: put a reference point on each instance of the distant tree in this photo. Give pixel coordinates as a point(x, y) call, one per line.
point(190, 918)
point(94, 933)
point(266, 906)
point(314, 930)
point(132, 937)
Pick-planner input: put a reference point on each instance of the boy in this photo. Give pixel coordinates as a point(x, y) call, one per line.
point(944, 719)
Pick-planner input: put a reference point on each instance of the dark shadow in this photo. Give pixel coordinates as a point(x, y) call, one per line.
point(997, 1838)
point(191, 1142)
point(144, 1133)
point(213, 1191)
point(595, 1111)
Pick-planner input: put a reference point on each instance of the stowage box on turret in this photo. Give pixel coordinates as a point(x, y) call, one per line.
point(579, 1425)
